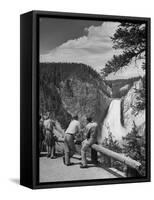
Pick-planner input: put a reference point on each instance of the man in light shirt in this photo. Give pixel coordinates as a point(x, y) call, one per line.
point(91, 138)
point(69, 145)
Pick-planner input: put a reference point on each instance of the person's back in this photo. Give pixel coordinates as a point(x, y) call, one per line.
point(49, 137)
point(69, 145)
point(73, 127)
point(49, 125)
point(91, 130)
point(91, 137)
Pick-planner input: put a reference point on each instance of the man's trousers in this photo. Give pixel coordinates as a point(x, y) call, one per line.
point(85, 145)
point(69, 147)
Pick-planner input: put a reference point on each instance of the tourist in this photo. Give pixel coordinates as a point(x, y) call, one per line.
point(69, 145)
point(91, 138)
point(41, 134)
point(49, 125)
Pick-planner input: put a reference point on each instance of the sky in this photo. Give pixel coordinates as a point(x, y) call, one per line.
point(54, 32)
point(81, 41)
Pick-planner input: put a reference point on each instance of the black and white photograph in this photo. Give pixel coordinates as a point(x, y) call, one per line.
point(92, 99)
point(76, 100)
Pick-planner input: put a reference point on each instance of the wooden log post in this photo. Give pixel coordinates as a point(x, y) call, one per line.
point(107, 160)
point(94, 156)
point(132, 166)
point(122, 158)
point(130, 172)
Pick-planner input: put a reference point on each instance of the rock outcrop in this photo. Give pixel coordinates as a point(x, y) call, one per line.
point(132, 115)
point(83, 99)
point(70, 89)
point(120, 87)
point(123, 113)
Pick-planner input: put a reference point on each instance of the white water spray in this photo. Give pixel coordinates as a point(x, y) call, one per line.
point(112, 122)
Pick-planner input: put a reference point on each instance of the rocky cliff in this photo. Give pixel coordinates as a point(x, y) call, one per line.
point(131, 113)
point(126, 112)
point(120, 87)
point(70, 89)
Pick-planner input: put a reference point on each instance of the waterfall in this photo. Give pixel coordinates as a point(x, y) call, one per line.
point(112, 122)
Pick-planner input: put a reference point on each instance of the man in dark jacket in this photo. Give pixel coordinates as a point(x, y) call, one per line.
point(91, 138)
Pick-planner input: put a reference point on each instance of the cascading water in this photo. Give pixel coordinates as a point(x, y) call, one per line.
point(112, 122)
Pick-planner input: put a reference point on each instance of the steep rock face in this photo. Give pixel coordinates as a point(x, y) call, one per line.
point(70, 89)
point(120, 87)
point(83, 99)
point(130, 114)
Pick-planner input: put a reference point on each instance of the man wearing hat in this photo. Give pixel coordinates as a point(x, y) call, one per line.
point(91, 138)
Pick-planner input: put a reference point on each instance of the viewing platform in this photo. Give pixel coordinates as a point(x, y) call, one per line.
point(53, 170)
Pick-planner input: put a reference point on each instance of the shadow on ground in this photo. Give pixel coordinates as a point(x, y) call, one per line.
point(15, 180)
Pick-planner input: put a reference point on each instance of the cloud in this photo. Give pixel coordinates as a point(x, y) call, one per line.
point(94, 48)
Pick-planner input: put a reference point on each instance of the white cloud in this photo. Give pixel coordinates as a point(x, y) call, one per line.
point(95, 49)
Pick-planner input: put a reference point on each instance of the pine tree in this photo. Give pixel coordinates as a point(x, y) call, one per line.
point(110, 142)
point(130, 39)
point(134, 147)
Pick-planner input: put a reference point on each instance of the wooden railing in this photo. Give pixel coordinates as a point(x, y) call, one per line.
point(133, 166)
